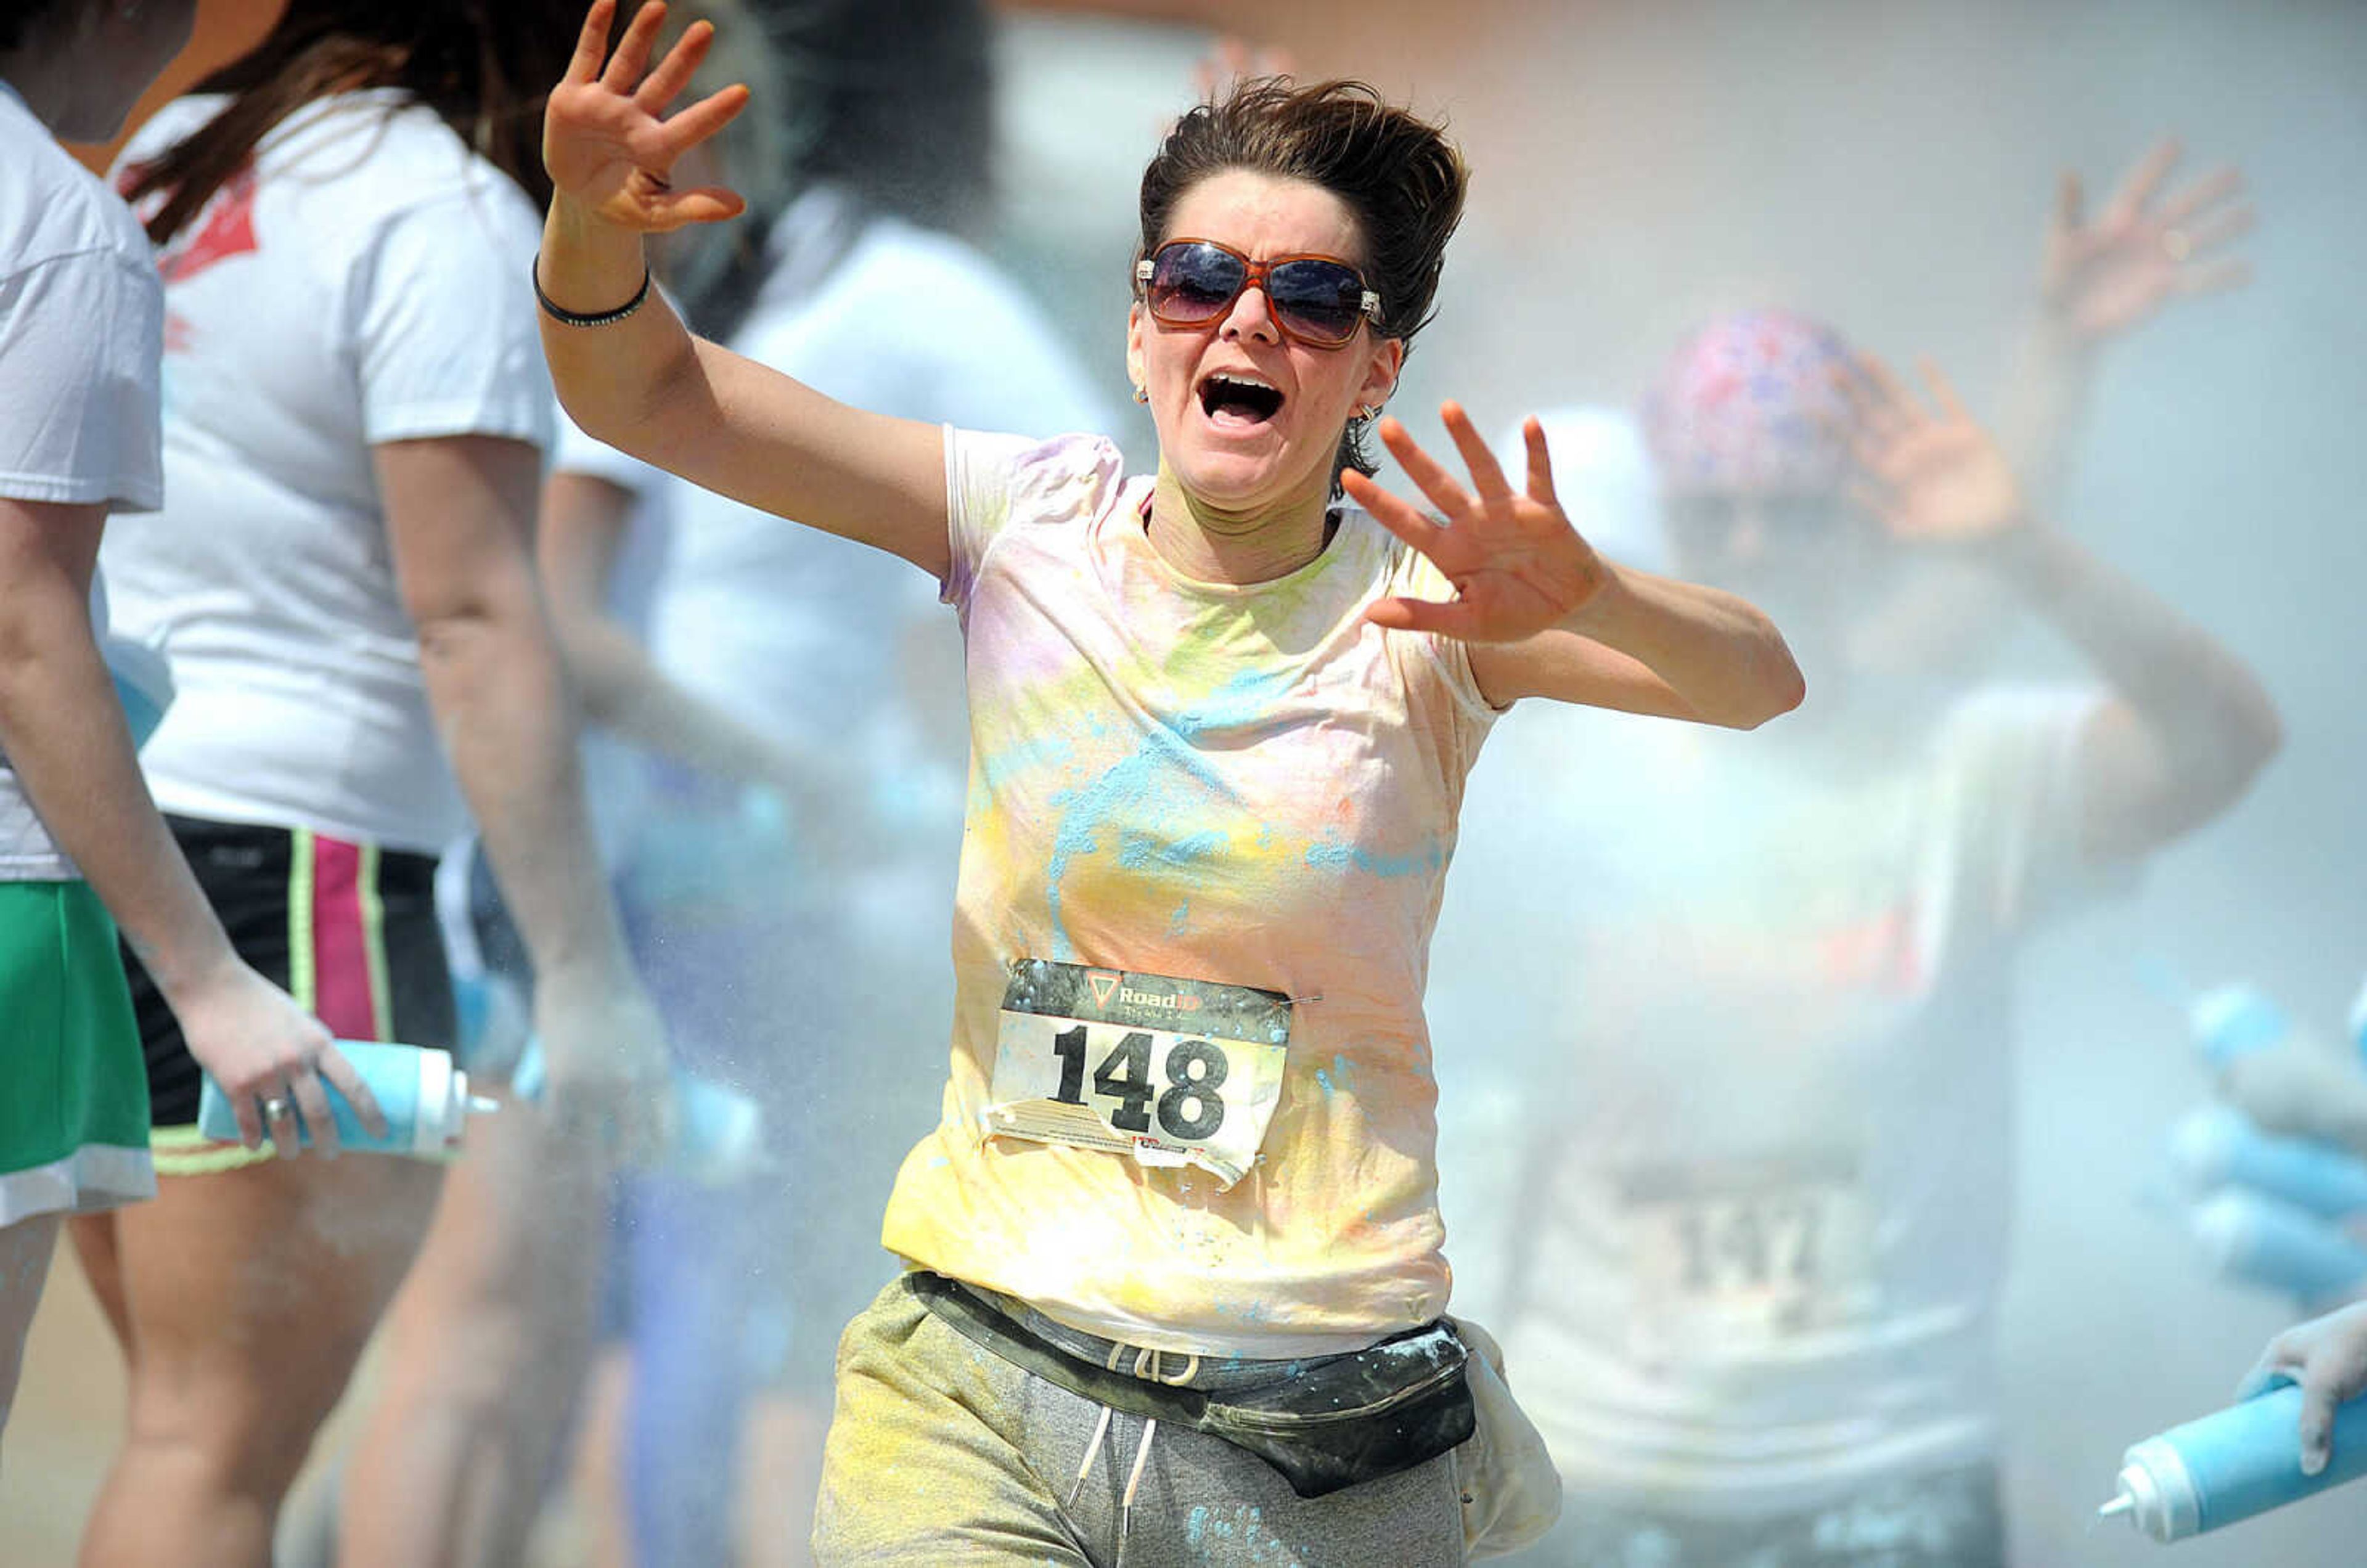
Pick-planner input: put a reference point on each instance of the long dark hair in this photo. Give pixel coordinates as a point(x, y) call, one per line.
point(1396, 172)
point(484, 66)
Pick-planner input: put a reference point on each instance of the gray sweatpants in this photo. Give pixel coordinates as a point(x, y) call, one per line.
point(944, 1455)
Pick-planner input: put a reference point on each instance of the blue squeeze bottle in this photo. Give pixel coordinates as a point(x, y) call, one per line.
point(2235, 1020)
point(425, 1098)
point(2261, 1240)
point(718, 1132)
point(2228, 1466)
point(2218, 1146)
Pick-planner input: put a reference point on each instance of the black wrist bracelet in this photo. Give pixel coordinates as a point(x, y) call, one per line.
point(561, 314)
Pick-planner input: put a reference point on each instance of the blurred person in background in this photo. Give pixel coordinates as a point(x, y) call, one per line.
point(1220, 717)
point(355, 415)
point(83, 851)
point(783, 850)
point(1764, 1235)
point(801, 941)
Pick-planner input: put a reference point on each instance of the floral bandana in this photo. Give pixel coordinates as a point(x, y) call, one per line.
point(1748, 404)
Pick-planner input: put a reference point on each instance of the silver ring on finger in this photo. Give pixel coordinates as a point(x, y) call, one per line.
point(275, 1107)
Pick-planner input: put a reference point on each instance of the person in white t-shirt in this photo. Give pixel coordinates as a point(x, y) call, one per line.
point(1763, 1230)
point(81, 324)
point(1220, 719)
point(342, 575)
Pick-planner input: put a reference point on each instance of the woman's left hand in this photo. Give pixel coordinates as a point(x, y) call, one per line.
point(1517, 564)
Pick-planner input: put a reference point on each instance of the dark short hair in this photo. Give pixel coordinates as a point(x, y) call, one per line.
point(1396, 172)
point(892, 99)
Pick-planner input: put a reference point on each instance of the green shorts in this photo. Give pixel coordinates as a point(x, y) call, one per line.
point(74, 1089)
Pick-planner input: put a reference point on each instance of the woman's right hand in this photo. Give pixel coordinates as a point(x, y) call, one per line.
point(2328, 1356)
point(603, 141)
point(264, 1050)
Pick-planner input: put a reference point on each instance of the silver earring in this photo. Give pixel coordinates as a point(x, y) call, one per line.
point(1141, 393)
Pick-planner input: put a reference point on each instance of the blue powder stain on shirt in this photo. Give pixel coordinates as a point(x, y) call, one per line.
point(997, 768)
point(1247, 701)
point(1180, 920)
point(1139, 850)
point(1330, 854)
point(1151, 790)
point(1334, 1079)
point(1197, 1525)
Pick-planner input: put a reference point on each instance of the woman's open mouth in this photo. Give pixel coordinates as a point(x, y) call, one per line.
point(1235, 400)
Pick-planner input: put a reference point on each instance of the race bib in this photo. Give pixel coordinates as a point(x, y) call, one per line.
point(1167, 1072)
point(1736, 1258)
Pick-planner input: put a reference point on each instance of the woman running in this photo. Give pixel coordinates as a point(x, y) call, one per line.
point(354, 426)
point(1182, 1182)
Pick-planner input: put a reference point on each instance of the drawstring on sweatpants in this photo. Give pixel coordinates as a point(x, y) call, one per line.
point(1146, 1365)
point(1126, 1506)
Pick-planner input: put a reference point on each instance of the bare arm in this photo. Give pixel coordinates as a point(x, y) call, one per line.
point(65, 737)
point(2189, 723)
point(460, 513)
point(1652, 645)
point(644, 384)
point(584, 524)
point(1545, 616)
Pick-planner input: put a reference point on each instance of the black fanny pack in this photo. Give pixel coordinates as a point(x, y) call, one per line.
point(1338, 1421)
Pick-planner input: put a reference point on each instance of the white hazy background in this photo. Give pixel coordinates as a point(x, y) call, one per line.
point(1639, 165)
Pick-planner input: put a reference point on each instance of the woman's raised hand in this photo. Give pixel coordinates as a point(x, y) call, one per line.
point(1517, 565)
point(1932, 475)
point(603, 137)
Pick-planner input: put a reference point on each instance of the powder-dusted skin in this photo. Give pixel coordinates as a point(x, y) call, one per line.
point(1248, 785)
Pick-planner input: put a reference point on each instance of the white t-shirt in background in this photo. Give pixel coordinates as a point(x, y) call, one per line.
point(1762, 1237)
point(787, 627)
point(364, 281)
point(81, 329)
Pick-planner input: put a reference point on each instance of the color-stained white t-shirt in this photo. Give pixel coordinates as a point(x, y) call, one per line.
point(1209, 827)
point(1761, 1237)
point(80, 327)
point(363, 281)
